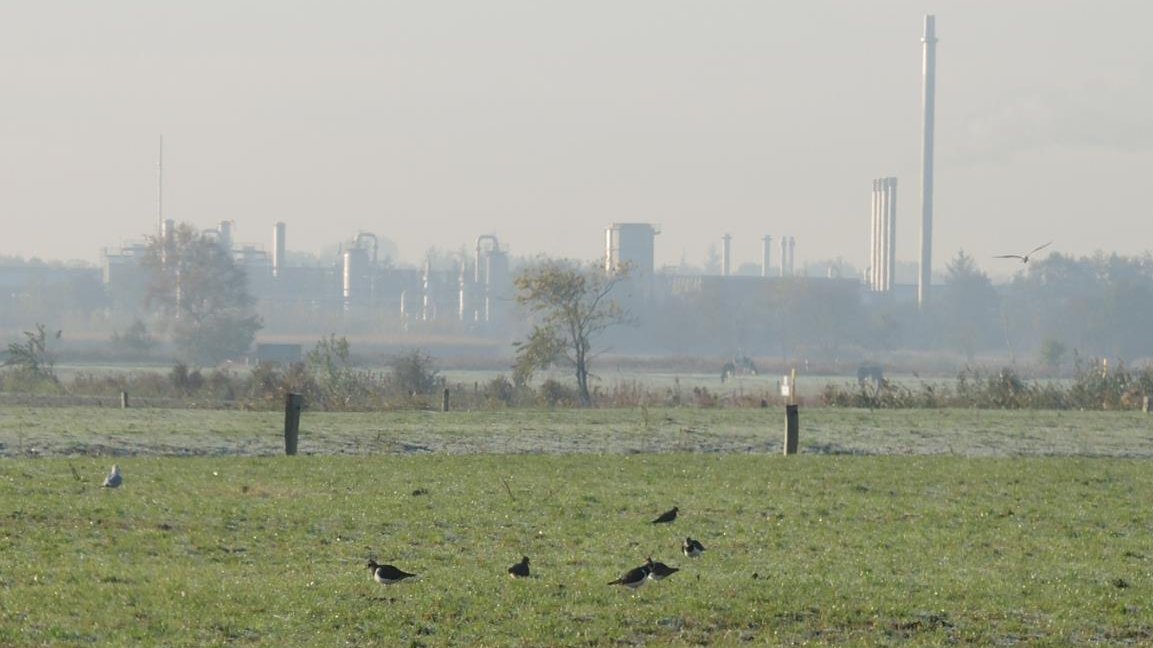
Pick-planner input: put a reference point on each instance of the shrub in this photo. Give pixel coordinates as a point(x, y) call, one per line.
point(554, 393)
point(413, 373)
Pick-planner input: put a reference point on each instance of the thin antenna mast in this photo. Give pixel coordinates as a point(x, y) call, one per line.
point(160, 190)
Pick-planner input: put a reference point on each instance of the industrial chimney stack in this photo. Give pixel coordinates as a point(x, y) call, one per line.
point(726, 255)
point(883, 235)
point(925, 272)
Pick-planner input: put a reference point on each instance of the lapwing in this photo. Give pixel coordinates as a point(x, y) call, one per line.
point(519, 570)
point(692, 548)
point(386, 574)
point(114, 478)
point(633, 578)
point(667, 516)
point(659, 570)
point(1023, 257)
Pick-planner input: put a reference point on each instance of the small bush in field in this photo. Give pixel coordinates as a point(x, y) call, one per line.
point(413, 373)
point(500, 391)
point(554, 393)
point(184, 380)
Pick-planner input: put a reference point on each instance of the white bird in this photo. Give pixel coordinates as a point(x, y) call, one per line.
point(114, 479)
point(1023, 257)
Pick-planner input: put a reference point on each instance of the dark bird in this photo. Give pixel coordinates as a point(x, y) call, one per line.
point(659, 570)
point(633, 578)
point(1024, 257)
point(519, 570)
point(114, 479)
point(386, 574)
point(692, 548)
point(667, 516)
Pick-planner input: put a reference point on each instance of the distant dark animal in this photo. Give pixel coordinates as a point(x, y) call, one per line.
point(870, 373)
point(742, 366)
point(386, 574)
point(659, 570)
point(519, 570)
point(1023, 257)
point(692, 548)
point(633, 578)
point(667, 516)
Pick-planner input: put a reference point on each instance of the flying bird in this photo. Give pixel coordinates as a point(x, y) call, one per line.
point(519, 570)
point(692, 548)
point(114, 478)
point(386, 574)
point(667, 516)
point(633, 578)
point(659, 570)
point(1024, 257)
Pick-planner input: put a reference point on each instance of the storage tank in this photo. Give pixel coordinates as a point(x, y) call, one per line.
point(355, 276)
point(630, 244)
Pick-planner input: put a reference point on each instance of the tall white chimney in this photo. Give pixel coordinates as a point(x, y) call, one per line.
point(766, 248)
point(278, 231)
point(928, 98)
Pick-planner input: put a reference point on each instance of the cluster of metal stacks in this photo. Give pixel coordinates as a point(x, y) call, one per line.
point(632, 244)
point(883, 235)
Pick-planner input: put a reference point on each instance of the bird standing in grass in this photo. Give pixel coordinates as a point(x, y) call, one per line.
point(386, 574)
point(114, 478)
point(519, 570)
point(659, 570)
point(633, 578)
point(692, 548)
point(667, 516)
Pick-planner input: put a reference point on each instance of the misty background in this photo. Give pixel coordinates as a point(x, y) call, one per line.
point(429, 124)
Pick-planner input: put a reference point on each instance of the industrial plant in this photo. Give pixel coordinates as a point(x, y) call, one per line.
point(472, 292)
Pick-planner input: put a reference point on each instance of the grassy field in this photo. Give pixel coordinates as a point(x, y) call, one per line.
point(110, 431)
point(994, 528)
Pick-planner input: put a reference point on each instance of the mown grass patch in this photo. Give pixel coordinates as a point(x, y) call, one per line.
point(269, 551)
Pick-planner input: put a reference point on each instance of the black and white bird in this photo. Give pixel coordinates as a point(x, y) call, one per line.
point(386, 574)
point(667, 516)
point(519, 570)
point(1023, 257)
point(114, 478)
point(633, 578)
point(659, 570)
point(691, 548)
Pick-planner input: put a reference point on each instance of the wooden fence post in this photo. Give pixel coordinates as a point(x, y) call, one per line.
point(123, 400)
point(292, 406)
point(792, 428)
point(444, 401)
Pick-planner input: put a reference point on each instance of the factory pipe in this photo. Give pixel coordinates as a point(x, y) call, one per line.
point(928, 100)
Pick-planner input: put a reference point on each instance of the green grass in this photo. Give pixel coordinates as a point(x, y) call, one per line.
point(44, 432)
point(268, 551)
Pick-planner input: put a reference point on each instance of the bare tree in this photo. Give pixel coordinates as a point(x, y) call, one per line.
point(571, 305)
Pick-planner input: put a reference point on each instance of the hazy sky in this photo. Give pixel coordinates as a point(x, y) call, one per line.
point(541, 122)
